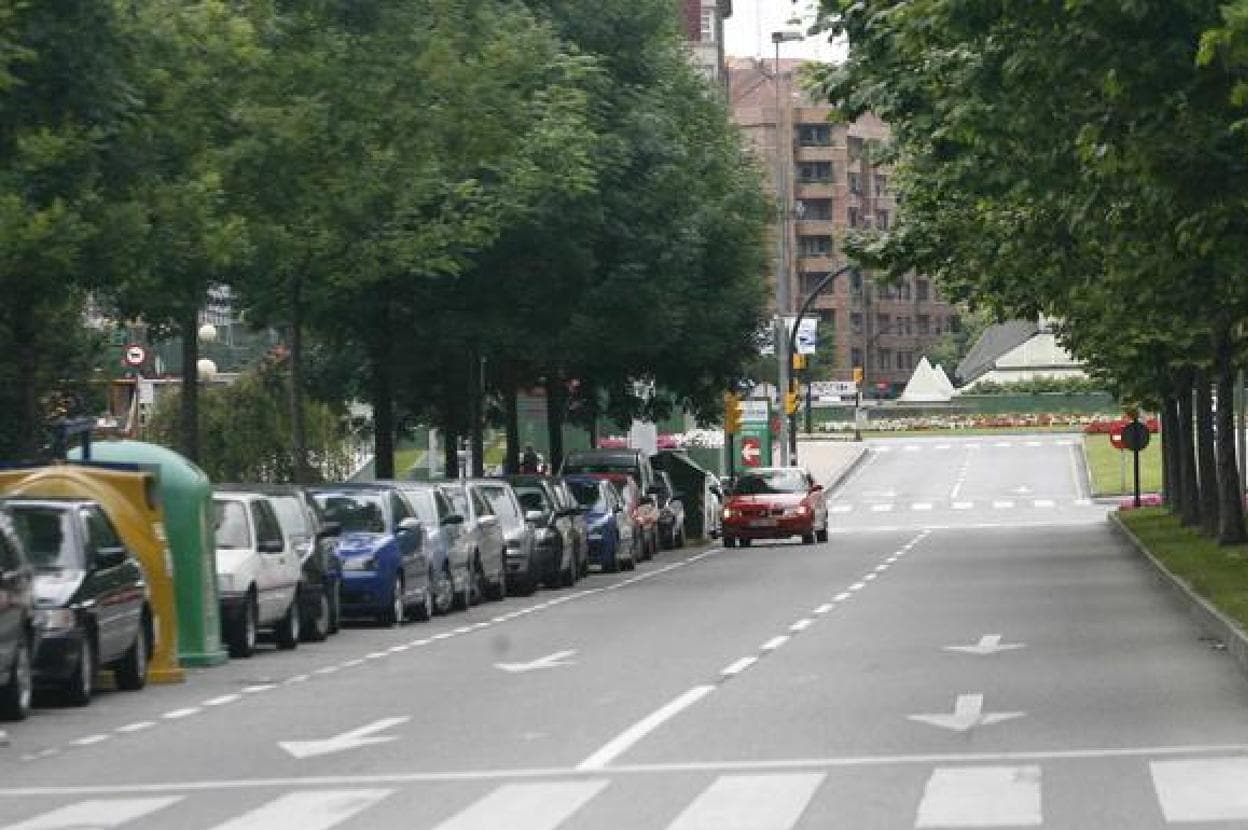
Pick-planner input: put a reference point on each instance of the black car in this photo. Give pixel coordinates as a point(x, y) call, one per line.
point(91, 597)
point(314, 539)
point(17, 632)
point(553, 525)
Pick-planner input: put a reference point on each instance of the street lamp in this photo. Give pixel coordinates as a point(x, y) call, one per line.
point(783, 302)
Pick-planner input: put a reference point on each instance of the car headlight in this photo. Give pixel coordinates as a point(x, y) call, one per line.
point(729, 512)
point(800, 510)
point(360, 563)
point(55, 619)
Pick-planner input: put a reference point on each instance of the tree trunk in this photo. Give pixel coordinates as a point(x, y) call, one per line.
point(1187, 453)
point(383, 415)
point(555, 397)
point(1230, 498)
point(511, 416)
point(28, 420)
point(298, 425)
point(188, 419)
point(1169, 453)
point(476, 413)
point(450, 454)
point(1206, 455)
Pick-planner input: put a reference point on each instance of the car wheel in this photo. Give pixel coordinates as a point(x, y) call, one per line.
point(567, 576)
point(497, 590)
point(477, 583)
point(444, 590)
point(286, 633)
point(17, 694)
point(81, 684)
point(335, 609)
point(680, 537)
point(131, 671)
point(393, 614)
point(821, 535)
point(808, 538)
point(424, 609)
point(242, 634)
point(316, 625)
point(744, 543)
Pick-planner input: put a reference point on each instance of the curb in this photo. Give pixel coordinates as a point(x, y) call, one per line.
point(848, 470)
point(1212, 621)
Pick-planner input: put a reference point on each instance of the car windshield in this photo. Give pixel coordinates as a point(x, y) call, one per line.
point(459, 500)
point(49, 536)
point(502, 506)
point(422, 503)
point(230, 528)
point(533, 498)
point(770, 482)
point(356, 512)
point(588, 494)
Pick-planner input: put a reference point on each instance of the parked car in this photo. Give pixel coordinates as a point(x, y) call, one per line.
point(17, 628)
point(612, 539)
point(671, 506)
point(775, 503)
point(447, 549)
point(713, 495)
point(91, 597)
point(486, 542)
point(619, 466)
point(381, 551)
point(519, 535)
point(580, 528)
point(313, 541)
point(257, 573)
point(553, 529)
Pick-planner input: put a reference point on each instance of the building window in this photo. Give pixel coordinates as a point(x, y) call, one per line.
point(920, 290)
point(827, 318)
point(881, 184)
point(708, 24)
point(814, 171)
point(955, 324)
point(923, 324)
point(814, 245)
point(881, 220)
point(853, 216)
point(855, 183)
point(811, 280)
point(855, 281)
point(816, 209)
point(883, 324)
point(855, 147)
point(814, 135)
point(936, 323)
point(903, 325)
point(905, 289)
point(855, 357)
point(884, 359)
point(855, 323)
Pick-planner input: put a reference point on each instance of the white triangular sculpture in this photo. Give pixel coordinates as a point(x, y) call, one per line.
point(925, 385)
point(944, 380)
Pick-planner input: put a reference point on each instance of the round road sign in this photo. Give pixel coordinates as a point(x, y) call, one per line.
point(135, 355)
point(1135, 436)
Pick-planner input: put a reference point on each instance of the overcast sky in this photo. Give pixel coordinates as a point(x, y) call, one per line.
point(748, 32)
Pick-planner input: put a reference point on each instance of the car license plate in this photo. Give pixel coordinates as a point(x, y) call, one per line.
point(763, 523)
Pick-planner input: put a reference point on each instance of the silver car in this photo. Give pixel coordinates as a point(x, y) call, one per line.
point(523, 571)
point(485, 540)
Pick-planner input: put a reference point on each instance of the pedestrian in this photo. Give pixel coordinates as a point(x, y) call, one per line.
point(529, 461)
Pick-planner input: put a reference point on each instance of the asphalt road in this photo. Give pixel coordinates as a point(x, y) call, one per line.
point(973, 648)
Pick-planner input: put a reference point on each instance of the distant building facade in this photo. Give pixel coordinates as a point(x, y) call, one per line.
point(702, 22)
point(835, 185)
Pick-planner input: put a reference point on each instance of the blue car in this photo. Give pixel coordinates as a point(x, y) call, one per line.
point(385, 573)
point(612, 538)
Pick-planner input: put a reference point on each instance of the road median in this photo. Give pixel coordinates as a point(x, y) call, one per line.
point(1209, 580)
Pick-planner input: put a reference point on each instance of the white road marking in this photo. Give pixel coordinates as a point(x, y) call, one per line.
point(825, 608)
point(1202, 789)
point(881, 568)
point(943, 446)
point(981, 797)
point(350, 664)
point(327, 670)
point(1002, 504)
point(842, 596)
point(375, 655)
point(1034, 444)
point(621, 743)
point(912, 448)
point(550, 661)
point(89, 740)
point(261, 687)
point(870, 577)
point(1083, 502)
point(102, 813)
point(963, 505)
point(353, 739)
point(300, 678)
point(750, 802)
point(526, 806)
point(739, 666)
point(137, 726)
point(881, 449)
point(178, 714)
point(857, 586)
point(967, 714)
point(840, 508)
point(988, 644)
point(774, 643)
point(1003, 444)
point(464, 629)
point(801, 625)
point(221, 701)
point(1044, 503)
point(315, 810)
point(921, 505)
point(399, 648)
point(881, 508)
point(1065, 442)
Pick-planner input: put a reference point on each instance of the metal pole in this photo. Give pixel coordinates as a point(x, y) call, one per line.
point(782, 268)
point(1240, 430)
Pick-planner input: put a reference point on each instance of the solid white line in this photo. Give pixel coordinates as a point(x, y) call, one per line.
point(801, 625)
point(90, 739)
point(178, 714)
point(621, 743)
point(102, 814)
point(137, 726)
point(526, 806)
point(774, 643)
point(739, 666)
point(981, 797)
point(750, 802)
point(1200, 790)
point(307, 811)
point(221, 701)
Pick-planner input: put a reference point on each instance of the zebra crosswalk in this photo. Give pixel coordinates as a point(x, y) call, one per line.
point(1184, 790)
point(842, 508)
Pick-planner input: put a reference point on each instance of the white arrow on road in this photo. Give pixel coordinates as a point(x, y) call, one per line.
point(550, 661)
point(967, 714)
point(356, 738)
point(988, 644)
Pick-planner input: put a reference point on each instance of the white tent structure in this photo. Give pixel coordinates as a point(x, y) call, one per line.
point(926, 385)
point(944, 380)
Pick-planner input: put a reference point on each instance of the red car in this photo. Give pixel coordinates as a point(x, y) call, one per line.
point(775, 503)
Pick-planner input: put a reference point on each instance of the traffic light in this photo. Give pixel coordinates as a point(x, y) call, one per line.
point(732, 413)
point(799, 362)
point(858, 374)
point(790, 402)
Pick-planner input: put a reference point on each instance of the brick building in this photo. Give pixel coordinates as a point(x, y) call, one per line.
point(702, 23)
point(833, 186)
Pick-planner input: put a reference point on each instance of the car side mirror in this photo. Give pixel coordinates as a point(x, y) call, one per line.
point(271, 546)
point(110, 557)
point(535, 516)
point(410, 525)
point(329, 530)
point(452, 519)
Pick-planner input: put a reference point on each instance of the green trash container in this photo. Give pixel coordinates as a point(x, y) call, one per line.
point(187, 497)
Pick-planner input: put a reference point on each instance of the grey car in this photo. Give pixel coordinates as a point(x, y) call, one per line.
point(485, 534)
point(523, 570)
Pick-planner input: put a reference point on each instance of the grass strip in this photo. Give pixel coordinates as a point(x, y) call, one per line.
point(1217, 573)
point(1105, 464)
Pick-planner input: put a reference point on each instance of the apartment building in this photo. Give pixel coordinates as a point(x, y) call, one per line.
point(702, 23)
point(834, 184)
